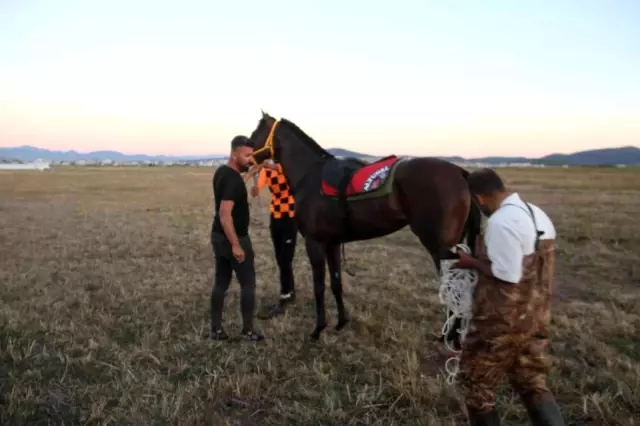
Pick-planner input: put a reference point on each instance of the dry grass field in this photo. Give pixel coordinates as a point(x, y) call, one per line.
point(105, 277)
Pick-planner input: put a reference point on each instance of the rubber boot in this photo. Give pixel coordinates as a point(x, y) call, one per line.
point(489, 418)
point(546, 414)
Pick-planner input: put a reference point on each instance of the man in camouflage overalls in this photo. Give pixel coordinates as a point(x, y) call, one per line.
point(508, 332)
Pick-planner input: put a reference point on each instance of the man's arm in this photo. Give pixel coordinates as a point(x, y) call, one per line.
point(481, 266)
point(226, 208)
point(252, 171)
point(226, 220)
point(259, 183)
point(262, 180)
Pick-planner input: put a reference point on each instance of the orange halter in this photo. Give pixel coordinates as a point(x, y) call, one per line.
point(268, 145)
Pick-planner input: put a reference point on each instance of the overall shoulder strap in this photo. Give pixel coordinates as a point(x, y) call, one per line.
point(529, 211)
point(535, 225)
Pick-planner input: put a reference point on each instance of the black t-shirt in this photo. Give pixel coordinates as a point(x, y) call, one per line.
point(229, 185)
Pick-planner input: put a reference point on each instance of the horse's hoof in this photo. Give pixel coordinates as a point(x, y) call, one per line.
point(315, 335)
point(341, 324)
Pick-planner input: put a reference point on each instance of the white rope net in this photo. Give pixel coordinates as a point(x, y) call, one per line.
point(456, 293)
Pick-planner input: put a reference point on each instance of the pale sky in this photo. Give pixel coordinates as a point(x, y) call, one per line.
point(448, 77)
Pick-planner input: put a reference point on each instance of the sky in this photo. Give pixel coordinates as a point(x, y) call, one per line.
point(406, 77)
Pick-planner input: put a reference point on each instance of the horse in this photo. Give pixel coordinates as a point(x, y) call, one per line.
point(345, 200)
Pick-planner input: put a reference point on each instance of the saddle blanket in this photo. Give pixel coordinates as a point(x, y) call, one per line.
point(366, 179)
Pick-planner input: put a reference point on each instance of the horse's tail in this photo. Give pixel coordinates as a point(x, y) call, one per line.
point(473, 226)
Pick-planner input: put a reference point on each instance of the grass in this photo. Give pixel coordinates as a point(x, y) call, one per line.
point(105, 276)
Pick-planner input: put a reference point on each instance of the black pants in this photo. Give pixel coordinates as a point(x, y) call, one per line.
point(284, 234)
point(225, 264)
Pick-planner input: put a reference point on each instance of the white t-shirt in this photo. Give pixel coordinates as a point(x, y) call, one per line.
point(511, 235)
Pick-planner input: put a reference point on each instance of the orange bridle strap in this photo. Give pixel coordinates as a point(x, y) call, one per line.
point(268, 145)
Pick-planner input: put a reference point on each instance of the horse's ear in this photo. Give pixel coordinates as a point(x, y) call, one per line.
point(264, 114)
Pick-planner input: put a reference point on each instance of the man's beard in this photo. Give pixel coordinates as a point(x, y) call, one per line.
point(244, 168)
point(485, 210)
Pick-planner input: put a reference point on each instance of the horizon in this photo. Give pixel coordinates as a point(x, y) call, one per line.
point(329, 149)
point(493, 79)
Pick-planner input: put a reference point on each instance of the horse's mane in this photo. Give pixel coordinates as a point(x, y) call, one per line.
point(306, 139)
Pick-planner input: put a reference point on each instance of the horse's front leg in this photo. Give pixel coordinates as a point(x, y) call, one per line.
point(316, 254)
point(333, 260)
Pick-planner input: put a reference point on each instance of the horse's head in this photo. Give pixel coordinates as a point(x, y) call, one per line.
point(263, 138)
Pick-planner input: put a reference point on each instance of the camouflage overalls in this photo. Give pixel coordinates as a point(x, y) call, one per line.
point(508, 334)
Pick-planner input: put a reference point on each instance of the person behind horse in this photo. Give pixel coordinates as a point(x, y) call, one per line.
point(509, 329)
point(283, 229)
point(232, 247)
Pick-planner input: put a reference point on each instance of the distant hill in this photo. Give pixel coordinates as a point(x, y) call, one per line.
point(490, 160)
point(628, 155)
point(625, 155)
point(30, 153)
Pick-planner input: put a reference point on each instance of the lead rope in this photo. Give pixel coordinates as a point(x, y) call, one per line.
point(252, 202)
point(456, 293)
point(344, 263)
point(255, 183)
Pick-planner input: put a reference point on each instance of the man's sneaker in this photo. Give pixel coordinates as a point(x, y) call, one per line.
point(218, 335)
point(252, 336)
point(288, 298)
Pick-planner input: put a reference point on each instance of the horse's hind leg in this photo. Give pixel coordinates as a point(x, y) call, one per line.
point(316, 254)
point(333, 259)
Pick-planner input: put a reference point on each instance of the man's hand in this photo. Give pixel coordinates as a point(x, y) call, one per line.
point(270, 165)
point(252, 172)
point(255, 191)
point(466, 261)
point(238, 253)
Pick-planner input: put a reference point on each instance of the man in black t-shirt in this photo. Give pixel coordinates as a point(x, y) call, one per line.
point(230, 240)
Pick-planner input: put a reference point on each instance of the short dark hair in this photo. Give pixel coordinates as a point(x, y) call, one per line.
point(240, 141)
point(485, 182)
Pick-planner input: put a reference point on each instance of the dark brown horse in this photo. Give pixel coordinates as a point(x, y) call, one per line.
point(339, 201)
